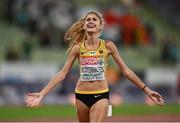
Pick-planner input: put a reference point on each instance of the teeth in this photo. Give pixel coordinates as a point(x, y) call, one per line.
point(91, 25)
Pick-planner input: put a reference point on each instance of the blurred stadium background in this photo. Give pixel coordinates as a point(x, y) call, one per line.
point(32, 50)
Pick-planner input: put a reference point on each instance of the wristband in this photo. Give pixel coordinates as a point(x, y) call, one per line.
point(143, 88)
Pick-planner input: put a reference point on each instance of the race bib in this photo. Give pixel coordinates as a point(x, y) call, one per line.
point(92, 69)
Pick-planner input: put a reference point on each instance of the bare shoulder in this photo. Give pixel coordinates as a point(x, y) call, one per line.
point(110, 45)
point(75, 49)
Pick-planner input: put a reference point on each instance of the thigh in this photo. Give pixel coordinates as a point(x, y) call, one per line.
point(82, 111)
point(98, 111)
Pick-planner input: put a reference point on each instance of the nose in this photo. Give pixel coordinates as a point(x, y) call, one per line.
point(91, 20)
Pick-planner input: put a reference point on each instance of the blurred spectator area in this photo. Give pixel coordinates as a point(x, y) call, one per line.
point(169, 10)
point(30, 28)
point(18, 79)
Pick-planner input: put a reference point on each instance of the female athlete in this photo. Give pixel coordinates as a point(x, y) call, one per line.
point(91, 92)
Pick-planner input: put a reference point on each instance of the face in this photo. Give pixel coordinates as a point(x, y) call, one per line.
point(92, 23)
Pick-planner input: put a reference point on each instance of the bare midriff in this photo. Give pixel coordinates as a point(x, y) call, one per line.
point(92, 85)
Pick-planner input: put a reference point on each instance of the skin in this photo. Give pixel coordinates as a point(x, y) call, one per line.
point(97, 112)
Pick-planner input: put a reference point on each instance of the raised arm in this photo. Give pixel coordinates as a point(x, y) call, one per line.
point(128, 73)
point(33, 99)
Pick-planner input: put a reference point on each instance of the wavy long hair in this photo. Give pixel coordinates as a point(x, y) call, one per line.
point(76, 33)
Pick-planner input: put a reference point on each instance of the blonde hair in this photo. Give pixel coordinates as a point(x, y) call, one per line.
point(76, 33)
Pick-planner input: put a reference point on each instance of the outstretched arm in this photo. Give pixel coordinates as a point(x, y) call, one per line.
point(63, 72)
point(128, 73)
point(33, 99)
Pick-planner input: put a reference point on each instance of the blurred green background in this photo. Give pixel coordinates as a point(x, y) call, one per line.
point(58, 112)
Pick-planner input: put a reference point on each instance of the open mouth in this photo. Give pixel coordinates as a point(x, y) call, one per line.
point(91, 25)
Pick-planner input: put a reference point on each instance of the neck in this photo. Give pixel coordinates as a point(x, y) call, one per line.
point(92, 38)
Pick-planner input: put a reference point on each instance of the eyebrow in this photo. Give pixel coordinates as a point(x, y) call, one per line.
point(92, 18)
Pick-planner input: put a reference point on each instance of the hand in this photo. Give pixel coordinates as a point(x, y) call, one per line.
point(156, 97)
point(33, 99)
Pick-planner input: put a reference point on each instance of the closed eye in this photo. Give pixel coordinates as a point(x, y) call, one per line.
point(88, 19)
point(94, 19)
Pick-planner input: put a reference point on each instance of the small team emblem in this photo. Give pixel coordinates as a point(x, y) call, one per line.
point(100, 51)
point(93, 53)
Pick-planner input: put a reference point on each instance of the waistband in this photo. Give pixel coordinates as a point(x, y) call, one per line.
point(91, 92)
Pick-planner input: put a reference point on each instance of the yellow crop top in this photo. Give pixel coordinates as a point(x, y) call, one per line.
point(93, 63)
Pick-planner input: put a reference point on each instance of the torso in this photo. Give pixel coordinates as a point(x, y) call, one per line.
point(92, 83)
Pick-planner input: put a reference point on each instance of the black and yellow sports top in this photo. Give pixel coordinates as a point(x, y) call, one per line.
point(93, 63)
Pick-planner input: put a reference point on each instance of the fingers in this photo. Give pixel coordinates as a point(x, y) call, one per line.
point(152, 99)
point(36, 104)
point(161, 101)
point(157, 99)
point(157, 95)
point(29, 103)
point(28, 99)
point(32, 99)
point(33, 103)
